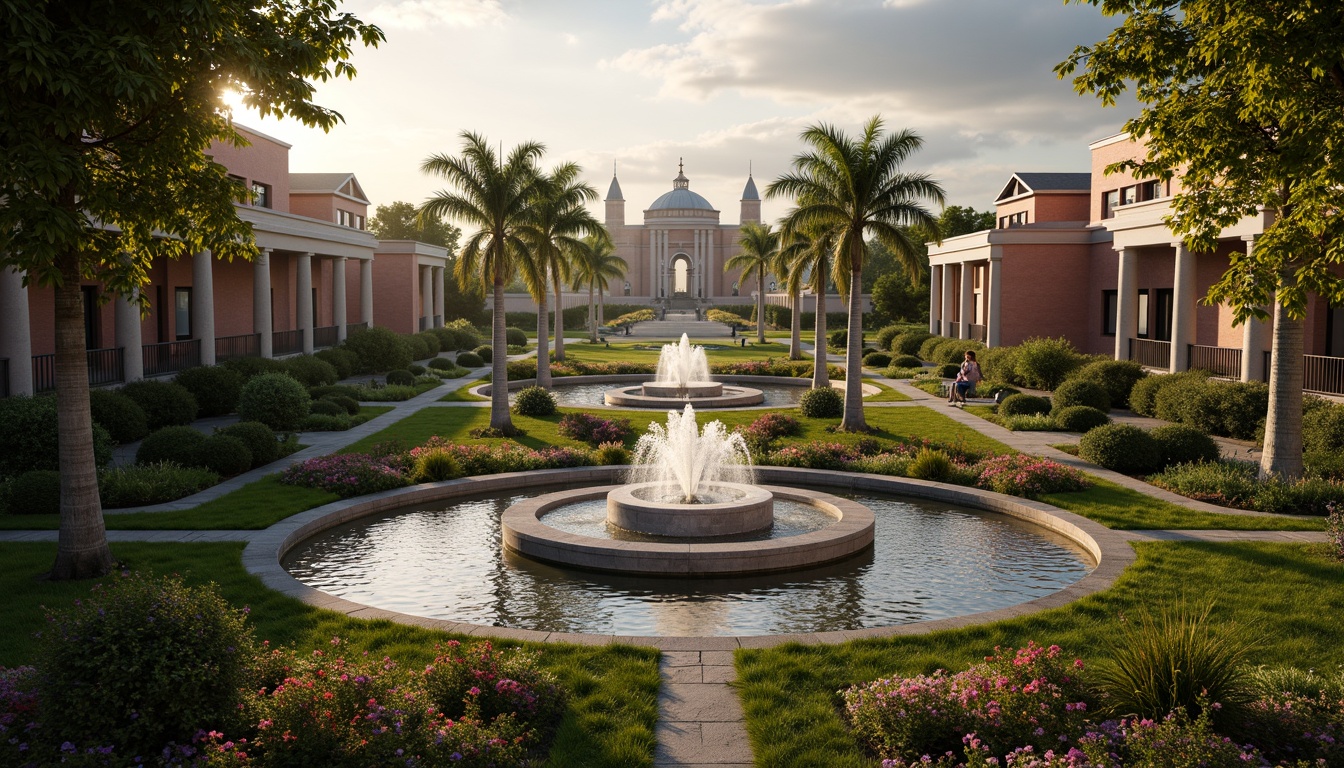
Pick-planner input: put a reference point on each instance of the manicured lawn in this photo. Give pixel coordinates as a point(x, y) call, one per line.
point(463, 393)
point(717, 351)
point(1285, 596)
point(1115, 506)
point(613, 689)
point(887, 395)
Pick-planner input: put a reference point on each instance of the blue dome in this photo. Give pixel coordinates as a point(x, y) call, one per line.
point(680, 198)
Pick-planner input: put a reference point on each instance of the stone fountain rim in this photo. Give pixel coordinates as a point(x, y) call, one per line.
point(484, 389)
point(265, 550)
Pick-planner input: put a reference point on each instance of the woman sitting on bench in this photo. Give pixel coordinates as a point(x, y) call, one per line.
point(967, 378)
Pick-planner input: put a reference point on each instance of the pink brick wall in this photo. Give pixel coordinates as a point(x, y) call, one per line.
point(396, 290)
point(1033, 306)
point(265, 161)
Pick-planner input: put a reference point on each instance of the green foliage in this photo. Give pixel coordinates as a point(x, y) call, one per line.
point(416, 369)
point(1181, 444)
point(340, 358)
point(905, 361)
point(1079, 418)
point(321, 422)
point(888, 333)
point(822, 403)
point(1121, 448)
point(435, 465)
point(515, 337)
point(144, 484)
point(344, 390)
point(948, 370)
point(247, 367)
point(1231, 409)
point(441, 364)
point(469, 360)
point(1024, 405)
point(379, 349)
point(838, 339)
point(910, 342)
point(215, 387)
point(311, 371)
point(1117, 376)
point(877, 360)
point(534, 401)
point(398, 221)
point(1236, 484)
point(121, 416)
point(1081, 392)
point(348, 405)
point(807, 321)
point(930, 464)
point(1045, 363)
point(28, 432)
point(954, 351)
point(165, 404)
point(36, 492)
point(224, 455)
point(259, 439)
point(928, 345)
point(894, 298)
point(401, 378)
point(327, 408)
point(276, 400)
point(418, 346)
point(1035, 422)
point(1143, 395)
point(1323, 427)
point(1000, 364)
point(611, 454)
point(486, 354)
point(176, 444)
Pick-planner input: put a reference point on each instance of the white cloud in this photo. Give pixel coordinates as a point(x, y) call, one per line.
point(418, 14)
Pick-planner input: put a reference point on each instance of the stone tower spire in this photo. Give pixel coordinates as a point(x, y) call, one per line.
point(615, 201)
point(751, 200)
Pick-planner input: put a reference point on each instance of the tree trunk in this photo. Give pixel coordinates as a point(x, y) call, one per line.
point(499, 367)
point(821, 376)
point(559, 325)
point(795, 328)
point(854, 420)
point(592, 316)
point(81, 551)
point(601, 307)
point(543, 343)
point(1282, 454)
point(760, 305)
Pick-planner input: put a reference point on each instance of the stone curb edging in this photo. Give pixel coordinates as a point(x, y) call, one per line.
point(262, 556)
point(483, 390)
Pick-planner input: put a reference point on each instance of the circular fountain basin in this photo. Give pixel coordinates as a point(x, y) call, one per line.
point(639, 397)
point(526, 534)
point(691, 389)
point(725, 509)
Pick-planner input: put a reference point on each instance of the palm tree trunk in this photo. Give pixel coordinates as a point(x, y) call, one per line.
point(1282, 454)
point(795, 328)
point(760, 305)
point(592, 316)
point(853, 420)
point(559, 324)
point(81, 551)
point(821, 376)
point(601, 307)
point(543, 343)
point(499, 367)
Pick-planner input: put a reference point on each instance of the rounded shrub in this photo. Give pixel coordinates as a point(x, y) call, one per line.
point(515, 337)
point(176, 444)
point(886, 334)
point(469, 360)
point(1121, 448)
point(326, 408)
point(464, 338)
point(142, 662)
point(441, 364)
point(418, 345)
point(247, 367)
point(401, 378)
point(534, 401)
point(121, 416)
point(486, 354)
point(928, 345)
point(1176, 400)
point(259, 439)
point(1081, 392)
point(224, 455)
point(215, 387)
point(348, 405)
point(838, 338)
point(999, 364)
point(276, 400)
point(909, 343)
point(1323, 428)
point(433, 466)
point(1231, 408)
point(417, 369)
point(1143, 395)
point(379, 349)
point(822, 403)
point(343, 360)
point(948, 370)
point(954, 350)
point(930, 464)
point(1079, 418)
point(311, 371)
point(906, 361)
point(321, 422)
point(1117, 376)
point(877, 360)
point(611, 454)
point(1044, 363)
point(165, 404)
point(28, 434)
point(36, 492)
point(1181, 444)
point(1024, 405)
point(432, 344)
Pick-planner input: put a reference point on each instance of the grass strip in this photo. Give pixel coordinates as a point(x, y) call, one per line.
point(1116, 506)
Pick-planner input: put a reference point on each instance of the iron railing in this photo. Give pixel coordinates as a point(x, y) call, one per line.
point(978, 333)
point(954, 330)
point(234, 347)
point(286, 342)
point(424, 323)
point(1150, 353)
point(353, 327)
point(171, 356)
point(324, 337)
point(1320, 373)
point(438, 321)
point(106, 366)
point(1220, 361)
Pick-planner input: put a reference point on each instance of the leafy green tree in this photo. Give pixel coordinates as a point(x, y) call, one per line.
point(595, 265)
point(850, 189)
point(1244, 101)
point(106, 113)
point(759, 244)
point(491, 193)
point(398, 221)
point(895, 299)
point(466, 302)
point(958, 220)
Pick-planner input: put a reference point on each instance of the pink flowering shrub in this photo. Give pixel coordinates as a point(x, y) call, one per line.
point(346, 474)
point(773, 367)
point(506, 457)
point(594, 430)
point(766, 429)
point(1021, 474)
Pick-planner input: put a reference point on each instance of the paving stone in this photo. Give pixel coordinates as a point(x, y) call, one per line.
point(698, 702)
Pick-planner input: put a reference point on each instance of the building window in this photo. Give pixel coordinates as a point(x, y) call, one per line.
point(1142, 313)
point(1109, 202)
point(1150, 190)
point(1013, 220)
point(1163, 310)
point(242, 187)
point(359, 222)
point(348, 219)
point(261, 194)
point(1109, 304)
point(93, 332)
point(182, 311)
point(1129, 195)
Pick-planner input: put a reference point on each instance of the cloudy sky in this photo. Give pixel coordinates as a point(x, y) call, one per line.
point(722, 83)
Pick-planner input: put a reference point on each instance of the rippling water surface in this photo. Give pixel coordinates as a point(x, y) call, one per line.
point(930, 561)
point(592, 394)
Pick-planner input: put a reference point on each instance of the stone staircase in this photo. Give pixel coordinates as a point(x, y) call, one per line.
point(677, 322)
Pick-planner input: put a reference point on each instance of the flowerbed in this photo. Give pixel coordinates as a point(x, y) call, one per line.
point(1020, 474)
point(766, 429)
point(1235, 484)
point(594, 430)
point(347, 474)
point(772, 367)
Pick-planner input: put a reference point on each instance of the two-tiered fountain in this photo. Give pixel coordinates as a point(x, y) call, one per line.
point(683, 376)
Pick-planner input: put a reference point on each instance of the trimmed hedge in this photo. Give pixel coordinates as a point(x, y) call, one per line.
point(469, 360)
point(400, 378)
point(1118, 377)
point(28, 434)
point(121, 416)
point(906, 361)
point(36, 492)
point(909, 343)
point(1181, 444)
point(877, 360)
point(1081, 392)
point(1121, 448)
point(348, 405)
point(327, 408)
point(343, 360)
point(259, 439)
point(379, 349)
point(534, 401)
point(215, 387)
point(1044, 363)
point(1024, 405)
point(276, 400)
point(224, 455)
point(822, 403)
point(441, 364)
point(1079, 418)
point(486, 354)
point(165, 404)
point(312, 371)
point(176, 444)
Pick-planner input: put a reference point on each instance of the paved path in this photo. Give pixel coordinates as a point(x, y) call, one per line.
point(700, 720)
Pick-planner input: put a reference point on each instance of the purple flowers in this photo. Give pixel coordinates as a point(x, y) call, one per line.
point(346, 474)
point(594, 430)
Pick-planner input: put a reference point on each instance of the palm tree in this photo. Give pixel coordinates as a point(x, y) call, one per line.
point(810, 261)
point(491, 193)
point(792, 279)
point(556, 221)
point(851, 189)
point(759, 245)
point(595, 264)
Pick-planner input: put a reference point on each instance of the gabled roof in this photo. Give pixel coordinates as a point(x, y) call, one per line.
point(327, 183)
point(1028, 183)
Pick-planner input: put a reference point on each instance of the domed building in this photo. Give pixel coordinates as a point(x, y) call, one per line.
point(676, 256)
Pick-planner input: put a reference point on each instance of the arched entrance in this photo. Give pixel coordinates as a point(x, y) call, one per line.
point(682, 276)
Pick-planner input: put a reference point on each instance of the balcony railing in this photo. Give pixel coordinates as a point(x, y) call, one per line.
point(4, 377)
point(978, 333)
point(106, 366)
point(1150, 353)
point(355, 327)
point(171, 356)
point(438, 321)
point(1319, 373)
point(1220, 361)
point(324, 337)
point(286, 342)
point(424, 323)
point(234, 347)
point(954, 330)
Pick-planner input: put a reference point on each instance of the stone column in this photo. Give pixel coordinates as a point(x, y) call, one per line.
point(1183, 309)
point(438, 296)
point(427, 295)
point(203, 304)
point(935, 300)
point(304, 300)
point(261, 302)
point(946, 330)
point(338, 310)
point(967, 295)
point(16, 341)
point(1255, 340)
point(993, 330)
point(366, 292)
point(1126, 302)
point(129, 337)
